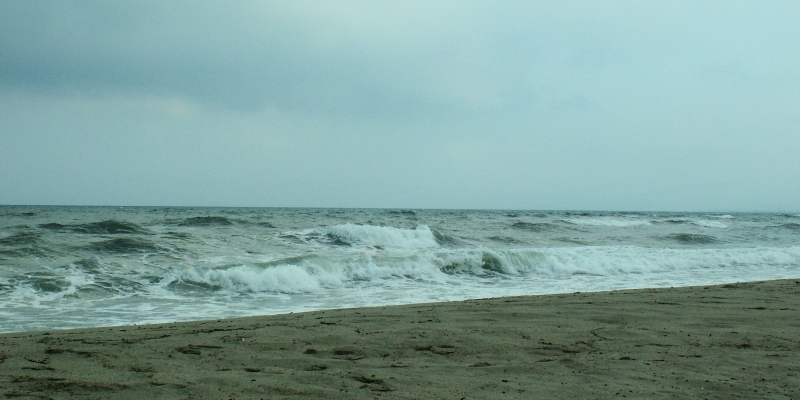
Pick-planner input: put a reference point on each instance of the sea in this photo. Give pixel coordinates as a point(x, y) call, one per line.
point(73, 267)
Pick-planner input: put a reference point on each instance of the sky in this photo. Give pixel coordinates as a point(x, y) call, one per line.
point(568, 105)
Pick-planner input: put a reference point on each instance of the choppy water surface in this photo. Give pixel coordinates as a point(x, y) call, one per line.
point(64, 267)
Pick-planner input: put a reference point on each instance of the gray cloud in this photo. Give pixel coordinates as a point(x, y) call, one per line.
point(616, 104)
point(250, 56)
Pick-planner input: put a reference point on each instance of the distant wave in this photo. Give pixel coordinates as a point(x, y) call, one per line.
point(55, 226)
point(177, 235)
point(792, 225)
point(26, 243)
point(709, 224)
point(693, 238)
point(107, 227)
point(504, 239)
point(698, 222)
point(676, 220)
point(124, 246)
point(571, 241)
point(534, 226)
point(21, 239)
point(606, 222)
point(206, 221)
point(407, 213)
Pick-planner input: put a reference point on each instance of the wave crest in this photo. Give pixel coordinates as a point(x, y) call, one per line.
point(278, 279)
point(369, 236)
point(312, 274)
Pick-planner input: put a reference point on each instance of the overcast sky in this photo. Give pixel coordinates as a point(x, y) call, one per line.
point(629, 105)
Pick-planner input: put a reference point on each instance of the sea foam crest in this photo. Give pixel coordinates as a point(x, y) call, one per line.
point(606, 222)
point(382, 237)
point(617, 260)
point(315, 274)
point(278, 279)
point(29, 294)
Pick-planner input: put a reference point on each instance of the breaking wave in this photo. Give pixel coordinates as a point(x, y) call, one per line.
point(310, 274)
point(66, 267)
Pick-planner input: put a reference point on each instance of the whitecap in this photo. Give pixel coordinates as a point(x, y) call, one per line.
point(279, 279)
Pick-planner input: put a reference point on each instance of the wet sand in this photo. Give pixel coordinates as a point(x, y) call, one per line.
point(729, 341)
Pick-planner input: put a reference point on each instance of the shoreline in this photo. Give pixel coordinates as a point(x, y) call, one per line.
point(704, 341)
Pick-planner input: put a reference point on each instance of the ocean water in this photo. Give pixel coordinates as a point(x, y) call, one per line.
point(68, 267)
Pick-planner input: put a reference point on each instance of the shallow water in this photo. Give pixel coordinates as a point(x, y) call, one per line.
point(65, 267)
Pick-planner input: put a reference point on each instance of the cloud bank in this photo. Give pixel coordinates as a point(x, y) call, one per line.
point(609, 105)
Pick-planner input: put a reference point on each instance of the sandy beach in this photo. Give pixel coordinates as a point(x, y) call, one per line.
point(728, 341)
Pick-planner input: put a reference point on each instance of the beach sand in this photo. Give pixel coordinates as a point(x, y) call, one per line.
point(729, 341)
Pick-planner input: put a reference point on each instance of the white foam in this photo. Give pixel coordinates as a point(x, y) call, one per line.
point(280, 279)
point(726, 216)
point(709, 224)
point(606, 222)
point(26, 294)
point(314, 275)
point(351, 279)
point(622, 260)
point(479, 261)
point(614, 260)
